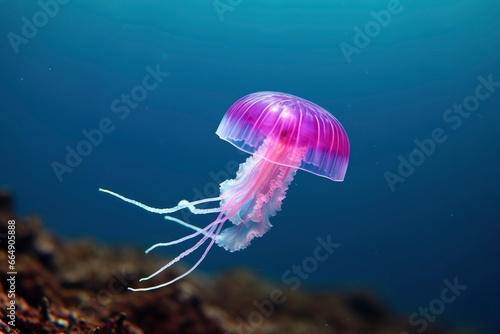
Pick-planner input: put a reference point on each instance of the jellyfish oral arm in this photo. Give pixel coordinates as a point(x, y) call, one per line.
point(256, 194)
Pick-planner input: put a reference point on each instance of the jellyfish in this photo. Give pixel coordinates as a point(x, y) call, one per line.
point(282, 133)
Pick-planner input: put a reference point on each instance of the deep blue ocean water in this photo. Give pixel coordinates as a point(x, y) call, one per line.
point(393, 74)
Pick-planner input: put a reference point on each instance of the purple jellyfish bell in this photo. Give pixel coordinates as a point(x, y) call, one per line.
point(283, 133)
point(286, 120)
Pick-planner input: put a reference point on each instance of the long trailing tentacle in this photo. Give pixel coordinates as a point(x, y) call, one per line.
point(183, 223)
point(209, 232)
point(181, 255)
point(191, 205)
point(187, 237)
point(182, 204)
point(190, 270)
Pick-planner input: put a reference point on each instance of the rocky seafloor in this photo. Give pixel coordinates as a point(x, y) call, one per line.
point(79, 286)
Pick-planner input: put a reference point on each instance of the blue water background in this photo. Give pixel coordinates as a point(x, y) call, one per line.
point(441, 223)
